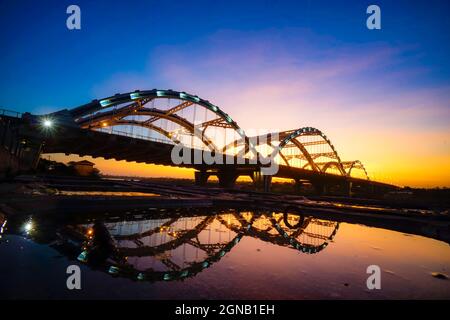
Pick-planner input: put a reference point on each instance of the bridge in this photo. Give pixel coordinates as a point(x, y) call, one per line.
point(175, 248)
point(147, 126)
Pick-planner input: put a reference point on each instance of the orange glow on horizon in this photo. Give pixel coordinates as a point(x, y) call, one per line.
point(124, 168)
point(394, 171)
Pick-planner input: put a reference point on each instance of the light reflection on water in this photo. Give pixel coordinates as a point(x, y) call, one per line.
point(233, 254)
point(170, 249)
point(106, 193)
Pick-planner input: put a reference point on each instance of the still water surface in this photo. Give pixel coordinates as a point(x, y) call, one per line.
point(222, 255)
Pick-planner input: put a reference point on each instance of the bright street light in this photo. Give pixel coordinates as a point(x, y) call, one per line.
point(47, 123)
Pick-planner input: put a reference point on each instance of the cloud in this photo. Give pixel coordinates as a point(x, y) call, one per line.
point(361, 95)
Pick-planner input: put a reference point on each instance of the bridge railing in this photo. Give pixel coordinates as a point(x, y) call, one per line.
point(134, 135)
point(10, 113)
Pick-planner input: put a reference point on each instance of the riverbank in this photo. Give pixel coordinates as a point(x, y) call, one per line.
point(56, 196)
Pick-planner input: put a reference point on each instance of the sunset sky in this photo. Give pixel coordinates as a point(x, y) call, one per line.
point(382, 96)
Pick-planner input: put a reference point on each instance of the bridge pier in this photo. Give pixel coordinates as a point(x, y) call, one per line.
point(201, 177)
point(261, 182)
point(227, 178)
point(348, 188)
point(321, 188)
point(298, 185)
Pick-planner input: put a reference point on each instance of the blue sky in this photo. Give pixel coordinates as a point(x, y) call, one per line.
point(291, 63)
point(46, 66)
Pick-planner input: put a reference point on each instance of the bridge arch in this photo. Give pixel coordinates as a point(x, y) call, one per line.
point(335, 164)
point(117, 109)
point(291, 136)
point(356, 165)
point(289, 139)
point(137, 110)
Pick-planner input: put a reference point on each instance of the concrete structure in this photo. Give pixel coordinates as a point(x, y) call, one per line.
point(83, 168)
point(16, 154)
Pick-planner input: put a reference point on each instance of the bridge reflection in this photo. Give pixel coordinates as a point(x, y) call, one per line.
point(177, 247)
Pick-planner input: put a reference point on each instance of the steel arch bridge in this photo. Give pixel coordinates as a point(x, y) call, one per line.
point(180, 117)
point(307, 147)
point(173, 115)
point(144, 126)
point(168, 249)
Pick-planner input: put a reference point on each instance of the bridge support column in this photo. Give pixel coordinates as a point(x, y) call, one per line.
point(348, 188)
point(262, 182)
point(201, 177)
point(227, 178)
point(267, 182)
point(298, 185)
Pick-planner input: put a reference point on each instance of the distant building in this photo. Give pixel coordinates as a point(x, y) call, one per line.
point(83, 168)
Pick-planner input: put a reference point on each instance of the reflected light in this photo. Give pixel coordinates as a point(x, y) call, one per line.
point(2, 229)
point(28, 227)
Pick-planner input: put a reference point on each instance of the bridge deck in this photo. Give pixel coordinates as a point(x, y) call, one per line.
point(71, 139)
